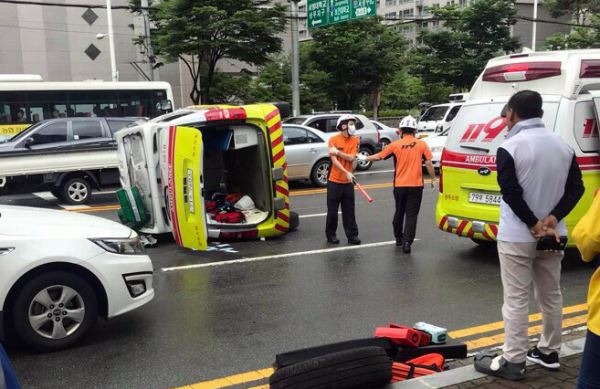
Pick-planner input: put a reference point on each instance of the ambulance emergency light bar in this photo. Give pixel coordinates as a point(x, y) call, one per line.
point(522, 71)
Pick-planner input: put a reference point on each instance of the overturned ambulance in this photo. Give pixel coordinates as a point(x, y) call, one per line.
point(206, 172)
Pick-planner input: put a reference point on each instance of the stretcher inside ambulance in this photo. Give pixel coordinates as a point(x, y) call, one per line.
point(206, 172)
point(569, 82)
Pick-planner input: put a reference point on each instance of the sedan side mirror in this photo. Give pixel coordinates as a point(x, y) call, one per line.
point(28, 143)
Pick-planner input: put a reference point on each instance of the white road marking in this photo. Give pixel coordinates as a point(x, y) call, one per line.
point(315, 215)
point(74, 207)
point(280, 256)
point(45, 196)
point(376, 172)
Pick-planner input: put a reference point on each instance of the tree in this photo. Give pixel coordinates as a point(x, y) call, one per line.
point(404, 91)
point(355, 58)
point(583, 37)
point(202, 32)
point(472, 36)
point(580, 10)
point(273, 80)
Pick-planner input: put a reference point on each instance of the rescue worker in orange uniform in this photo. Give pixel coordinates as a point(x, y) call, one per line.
point(343, 149)
point(409, 154)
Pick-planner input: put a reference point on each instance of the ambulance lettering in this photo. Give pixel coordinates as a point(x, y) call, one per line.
point(490, 131)
point(590, 129)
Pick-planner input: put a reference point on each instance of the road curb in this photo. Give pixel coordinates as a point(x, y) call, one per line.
point(468, 373)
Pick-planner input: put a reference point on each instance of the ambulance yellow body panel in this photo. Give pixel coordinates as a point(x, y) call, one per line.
point(569, 82)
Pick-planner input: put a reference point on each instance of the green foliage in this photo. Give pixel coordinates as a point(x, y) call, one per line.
point(202, 32)
point(579, 10)
point(578, 38)
point(352, 60)
point(456, 55)
point(405, 91)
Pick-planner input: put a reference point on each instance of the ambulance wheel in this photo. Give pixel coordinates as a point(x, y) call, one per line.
point(364, 165)
point(366, 367)
point(294, 221)
point(320, 172)
point(76, 191)
point(484, 243)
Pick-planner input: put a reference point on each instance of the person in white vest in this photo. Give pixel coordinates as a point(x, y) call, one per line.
point(540, 183)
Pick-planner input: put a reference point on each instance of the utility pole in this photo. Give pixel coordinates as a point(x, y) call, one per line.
point(147, 42)
point(534, 27)
point(295, 59)
point(111, 42)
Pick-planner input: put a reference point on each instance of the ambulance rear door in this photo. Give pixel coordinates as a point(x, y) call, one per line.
point(468, 184)
point(181, 160)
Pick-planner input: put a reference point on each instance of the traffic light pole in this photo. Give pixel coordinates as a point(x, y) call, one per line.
point(295, 59)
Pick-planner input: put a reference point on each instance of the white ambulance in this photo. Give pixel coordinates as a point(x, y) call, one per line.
point(569, 82)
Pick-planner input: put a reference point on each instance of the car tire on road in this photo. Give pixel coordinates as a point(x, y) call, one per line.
point(62, 306)
point(364, 165)
point(366, 367)
point(320, 173)
point(294, 220)
point(76, 191)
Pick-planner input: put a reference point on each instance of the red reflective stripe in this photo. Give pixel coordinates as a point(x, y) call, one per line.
point(468, 161)
point(282, 190)
point(589, 163)
point(461, 227)
point(281, 228)
point(486, 235)
point(274, 127)
point(271, 115)
point(277, 142)
point(172, 196)
point(471, 233)
point(494, 229)
point(442, 222)
point(283, 217)
point(278, 156)
point(287, 205)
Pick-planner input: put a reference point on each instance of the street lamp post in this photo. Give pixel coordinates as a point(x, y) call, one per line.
point(295, 60)
point(111, 42)
point(534, 27)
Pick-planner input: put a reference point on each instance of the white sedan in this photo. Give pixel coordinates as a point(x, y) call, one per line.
point(436, 144)
point(62, 270)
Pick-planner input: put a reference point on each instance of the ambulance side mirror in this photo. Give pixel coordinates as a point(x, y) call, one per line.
point(278, 174)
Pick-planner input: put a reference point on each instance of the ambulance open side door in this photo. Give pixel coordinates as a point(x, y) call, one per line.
point(181, 161)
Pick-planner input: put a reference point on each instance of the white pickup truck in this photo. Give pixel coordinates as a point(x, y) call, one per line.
point(68, 157)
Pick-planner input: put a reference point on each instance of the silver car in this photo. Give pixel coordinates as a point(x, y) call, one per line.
point(387, 134)
point(307, 153)
point(327, 122)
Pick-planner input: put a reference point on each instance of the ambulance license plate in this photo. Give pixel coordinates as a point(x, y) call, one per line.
point(484, 198)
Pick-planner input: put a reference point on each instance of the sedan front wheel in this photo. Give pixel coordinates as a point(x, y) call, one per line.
point(53, 311)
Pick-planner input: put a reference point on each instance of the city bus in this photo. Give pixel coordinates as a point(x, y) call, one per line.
point(27, 100)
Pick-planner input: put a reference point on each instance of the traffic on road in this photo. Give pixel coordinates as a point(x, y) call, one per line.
point(220, 248)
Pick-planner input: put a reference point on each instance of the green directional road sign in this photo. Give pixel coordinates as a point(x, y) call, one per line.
point(326, 12)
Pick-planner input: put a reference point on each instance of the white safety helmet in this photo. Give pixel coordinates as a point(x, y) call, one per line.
point(344, 118)
point(408, 122)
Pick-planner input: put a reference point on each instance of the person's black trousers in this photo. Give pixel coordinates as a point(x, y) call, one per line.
point(408, 204)
point(340, 194)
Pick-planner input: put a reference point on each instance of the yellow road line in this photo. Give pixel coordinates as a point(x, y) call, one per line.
point(535, 330)
point(236, 379)
point(481, 329)
point(317, 191)
point(487, 341)
point(100, 208)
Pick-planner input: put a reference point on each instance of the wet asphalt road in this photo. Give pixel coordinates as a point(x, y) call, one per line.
point(232, 317)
